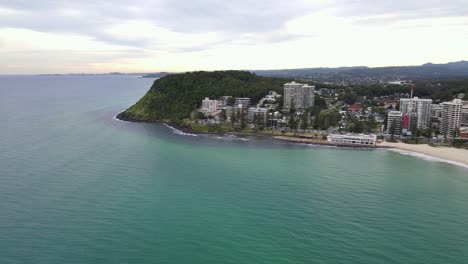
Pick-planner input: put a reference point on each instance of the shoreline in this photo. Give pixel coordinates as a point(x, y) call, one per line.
point(453, 155)
point(322, 142)
point(442, 154)
point(188, 130)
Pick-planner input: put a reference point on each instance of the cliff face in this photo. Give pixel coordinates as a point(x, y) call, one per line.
point(174, 97)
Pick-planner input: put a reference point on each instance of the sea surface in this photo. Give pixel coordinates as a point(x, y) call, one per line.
point(78, 186)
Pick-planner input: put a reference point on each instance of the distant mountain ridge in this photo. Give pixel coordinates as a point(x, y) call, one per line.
point(429, 71)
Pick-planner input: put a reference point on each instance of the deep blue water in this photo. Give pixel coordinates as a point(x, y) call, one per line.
point(77, 186)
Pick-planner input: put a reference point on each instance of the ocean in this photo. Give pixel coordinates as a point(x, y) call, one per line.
point(78, 186)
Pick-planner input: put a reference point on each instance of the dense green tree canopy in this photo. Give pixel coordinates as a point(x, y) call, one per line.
point(443, 90)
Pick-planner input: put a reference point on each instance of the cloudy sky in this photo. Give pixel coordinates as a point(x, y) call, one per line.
point(51, 36)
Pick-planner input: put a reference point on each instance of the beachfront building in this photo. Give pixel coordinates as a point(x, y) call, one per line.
point(397, 117)
point(436, 112)
point(257, 115)
point(463, 133)
point(298, 96)
point(209, 107)
point(417, 110)
point(451, 118)
point(353, 139)
point(464, 119)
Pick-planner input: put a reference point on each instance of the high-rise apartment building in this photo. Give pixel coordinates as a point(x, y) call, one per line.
point(394, 116)
point(298, 96)
point(451, 118)
point(419, 108)
point(464, 120)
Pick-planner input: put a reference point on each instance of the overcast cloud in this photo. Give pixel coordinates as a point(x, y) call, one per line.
point(212, 34)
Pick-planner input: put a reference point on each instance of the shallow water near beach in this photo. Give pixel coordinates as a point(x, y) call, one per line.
point(78, 186)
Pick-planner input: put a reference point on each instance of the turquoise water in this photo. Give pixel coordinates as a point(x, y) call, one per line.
point(77, 186)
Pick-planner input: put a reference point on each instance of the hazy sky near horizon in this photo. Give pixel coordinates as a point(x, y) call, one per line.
point(51, 36)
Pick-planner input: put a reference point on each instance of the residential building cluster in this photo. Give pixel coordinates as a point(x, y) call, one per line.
point(266, 112)
point(448, 117)
point(416, 113)
point(399, 114)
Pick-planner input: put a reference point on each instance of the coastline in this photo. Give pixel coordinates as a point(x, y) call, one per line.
point(316, 141)
point(443, 154)
point(187, 130)
point(455, 155)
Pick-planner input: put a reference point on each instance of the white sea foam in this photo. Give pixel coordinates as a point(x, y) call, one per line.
point(120, 120)
point(179, 132)
point(231, 138)
point(427, 157)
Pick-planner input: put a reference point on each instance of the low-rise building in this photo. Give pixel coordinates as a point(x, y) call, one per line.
point(244, 101)
point(464, 132)
point(257, 115)
point(270, 100)
point(353, 139)
point(355, 108)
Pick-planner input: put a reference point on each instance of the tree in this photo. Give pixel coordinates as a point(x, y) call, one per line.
point(392, 130)
point(292, 108)
point(427, 133)
point(358, 127)
point(326, 119)
point(242, 119)
point(259, 121)
point(414, 128)
point(417, 134)
point(458, 143)
point(371, 123)
point(200, 115)
point(231, 101)
point(349, 98)
point(233, 117)
point(292, 122)
point(305, 121)
point(223, 115)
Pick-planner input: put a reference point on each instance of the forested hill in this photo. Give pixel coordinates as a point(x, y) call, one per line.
point(174, 97)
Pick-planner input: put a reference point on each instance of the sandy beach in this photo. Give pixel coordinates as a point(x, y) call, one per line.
point(453, 155)
point(446, 153)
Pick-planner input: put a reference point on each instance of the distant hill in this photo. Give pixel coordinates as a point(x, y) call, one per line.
point(302, 71)
point(429, 71)
point(156, 75)
point(173, 97)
